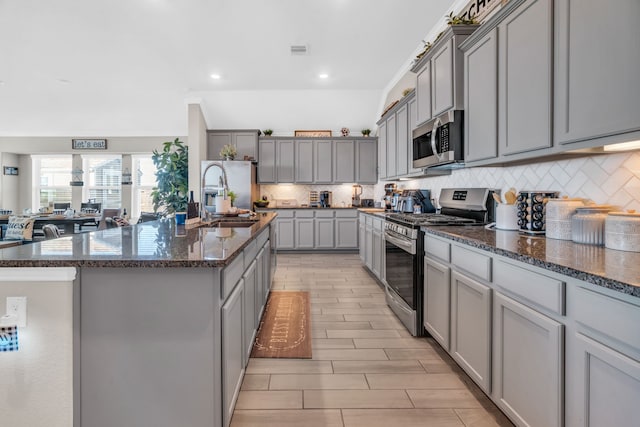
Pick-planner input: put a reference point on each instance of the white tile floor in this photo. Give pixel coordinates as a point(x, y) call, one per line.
point(366, 368)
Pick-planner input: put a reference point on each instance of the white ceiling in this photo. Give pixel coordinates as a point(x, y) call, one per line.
point(127, 67)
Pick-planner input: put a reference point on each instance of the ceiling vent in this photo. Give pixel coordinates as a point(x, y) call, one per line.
point(298, 49)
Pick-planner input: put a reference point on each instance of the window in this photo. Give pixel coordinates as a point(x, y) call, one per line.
point(51, 176)
point(144, 179)
point(103, 174)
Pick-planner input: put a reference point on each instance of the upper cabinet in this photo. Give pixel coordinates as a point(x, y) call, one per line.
point(317, 161)
point(245, 141)
point(439, 74)
point(597, 65)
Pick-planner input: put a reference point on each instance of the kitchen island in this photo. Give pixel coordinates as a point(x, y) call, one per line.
point(162, 323)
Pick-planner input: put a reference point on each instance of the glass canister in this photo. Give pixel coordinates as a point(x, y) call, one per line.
point(587, 224)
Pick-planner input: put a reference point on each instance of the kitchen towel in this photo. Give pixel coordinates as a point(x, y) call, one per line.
point(8, 338)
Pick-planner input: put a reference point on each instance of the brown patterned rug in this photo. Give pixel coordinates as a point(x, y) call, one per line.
point(284, 329)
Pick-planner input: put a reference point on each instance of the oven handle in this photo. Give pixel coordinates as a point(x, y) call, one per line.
point(406, 245)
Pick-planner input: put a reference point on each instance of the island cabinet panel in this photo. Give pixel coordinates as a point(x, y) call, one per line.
point(471, 328)
point(603, 100)
point(437, 295)
point(267, 163)
point(249, 309)
point(261, 283)
point(382, 150)
point(233, 350)
point(528, 362)
point(344, 160)
point(525, 84)
point(304, 162)
point(285, 165)
point(323, 161)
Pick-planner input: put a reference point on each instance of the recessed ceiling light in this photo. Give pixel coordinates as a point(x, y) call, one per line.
point(1, 82)
point(323, 76)
point(216, 76)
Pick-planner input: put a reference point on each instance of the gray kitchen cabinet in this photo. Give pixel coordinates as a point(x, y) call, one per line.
point(371, 244)
point(323, 161)
point(245, 141)
point(412, 106)
point(267, 162)
point(471, 328)
point(233, 345)
point(324, 229)
point(368, 243)
point(524, 103)
point(344, 161)
point(382, 150)
point(285, 160)
point(346, 233)
point(527, 364)
point(304, 233)
point(423, 93)
point(304, 162)
point(249, 309)
point(392, 155)
point(481, 99)
point(286, 233)
point(442, 85)
point(366, 161)
point(361, 228)
point(596, 70)
point(402, 145)
point(261, 283)
point(437, 301)
point(377, 261)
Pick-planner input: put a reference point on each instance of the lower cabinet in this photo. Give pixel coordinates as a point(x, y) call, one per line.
point(361, 236)
point(377, 243)
point(346, 233)
point(250, 313)
point(324, 233)
point(471, 328)
point(317, 229)
point(371, 243)
point(437, 294)
point(304, 233)
point(527, 364)
point(233, 350)
point(286, 233)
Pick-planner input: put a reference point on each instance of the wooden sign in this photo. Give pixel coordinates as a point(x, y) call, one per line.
point(479, 9)
point(89, 144)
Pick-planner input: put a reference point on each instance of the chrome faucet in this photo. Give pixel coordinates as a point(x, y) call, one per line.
point(223, 183)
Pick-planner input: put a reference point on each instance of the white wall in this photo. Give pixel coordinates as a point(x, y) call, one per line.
point(9, 184)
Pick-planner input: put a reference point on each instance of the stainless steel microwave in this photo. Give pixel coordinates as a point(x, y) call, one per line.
point(439, 141)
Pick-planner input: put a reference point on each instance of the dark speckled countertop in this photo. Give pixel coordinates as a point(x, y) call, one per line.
point(616, 270)
point(150, 244)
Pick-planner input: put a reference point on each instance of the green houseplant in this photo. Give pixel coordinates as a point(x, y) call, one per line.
point(228, 152)
point(366, 132)
point(172, 177)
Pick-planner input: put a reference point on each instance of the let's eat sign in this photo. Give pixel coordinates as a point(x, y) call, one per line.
point(89, 144)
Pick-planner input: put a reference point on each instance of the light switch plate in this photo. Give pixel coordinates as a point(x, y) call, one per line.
point(17, 306)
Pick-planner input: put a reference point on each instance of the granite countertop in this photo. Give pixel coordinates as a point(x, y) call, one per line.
point(270, 208)
point(151, 244)
point(612, 269)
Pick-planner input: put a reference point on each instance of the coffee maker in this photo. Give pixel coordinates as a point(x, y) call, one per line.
point(389, 200)
point(325, 199)
point(355, 196)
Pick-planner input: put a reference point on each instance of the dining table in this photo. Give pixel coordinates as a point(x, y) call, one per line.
point(68, 224)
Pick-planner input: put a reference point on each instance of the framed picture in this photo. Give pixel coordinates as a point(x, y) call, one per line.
point(312, 133)
point(10, 170)
point(89, 144)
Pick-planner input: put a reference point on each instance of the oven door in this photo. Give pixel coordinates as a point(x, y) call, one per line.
point(401, 263)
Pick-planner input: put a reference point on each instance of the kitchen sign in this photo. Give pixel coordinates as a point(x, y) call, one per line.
point(479, 9)
point(89, 144)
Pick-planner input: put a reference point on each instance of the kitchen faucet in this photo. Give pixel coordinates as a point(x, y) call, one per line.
point(223, 182)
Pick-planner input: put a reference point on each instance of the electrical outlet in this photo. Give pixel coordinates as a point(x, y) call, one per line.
point(17, 306)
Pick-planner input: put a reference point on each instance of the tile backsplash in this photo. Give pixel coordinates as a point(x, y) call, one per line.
point(606, 179)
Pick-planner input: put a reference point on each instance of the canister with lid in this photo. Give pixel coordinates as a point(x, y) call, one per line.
point(587, 224)
point(622, 231)
point(558, 217)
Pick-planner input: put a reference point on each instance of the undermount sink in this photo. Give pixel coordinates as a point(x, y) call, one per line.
point(231, 224)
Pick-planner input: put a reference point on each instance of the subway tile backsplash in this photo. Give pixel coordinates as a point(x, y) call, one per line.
point(341, 193)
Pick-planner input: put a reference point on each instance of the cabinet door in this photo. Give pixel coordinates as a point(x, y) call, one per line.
point(527, 364)
point(344, 161)
point(260, 285)
point(402, 145)
point(413, 119)
point(392, 147)
point(249, 310)
point(605, 387)
point(215, 142)
point(481, 99)
point(596, 69)
point(232, 350)
point(324, 233)
point(377, 242)
point(471, 328)
point(304, 161)
point(346, 233)
point(368, 244)
point(382, 150)
point(437, 301)
point(304, 233)
point(524, 104)
point(361, 246)
point(442, 83)
point(285, 160)
point(366, 161)
point(322, 161)
point(267, 163)
point(285, 233)
point(247, 144)
point(423, 94)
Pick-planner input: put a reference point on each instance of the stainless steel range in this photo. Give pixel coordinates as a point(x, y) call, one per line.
point(404, 250)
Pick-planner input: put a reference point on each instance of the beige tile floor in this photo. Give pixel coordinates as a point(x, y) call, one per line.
point(366, 369)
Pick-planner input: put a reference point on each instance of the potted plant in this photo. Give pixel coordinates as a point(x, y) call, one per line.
point(232, 197)
point(172, 178)
point(268, 132)
point(366, 132)
point(228, 152)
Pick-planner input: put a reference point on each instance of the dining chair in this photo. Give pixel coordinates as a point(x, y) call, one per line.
point(107, 213)
point(50, 231)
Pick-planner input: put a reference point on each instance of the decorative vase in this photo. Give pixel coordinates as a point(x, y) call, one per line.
point(345, 131)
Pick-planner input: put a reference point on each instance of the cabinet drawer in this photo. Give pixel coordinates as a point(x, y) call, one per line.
point(304, 214)
point(347, 213)
point(437, 248)
point(613, 317)
point(285, 213)
point(325, 214)
point(231, 275)
point(477, 264)
point(539, 289)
